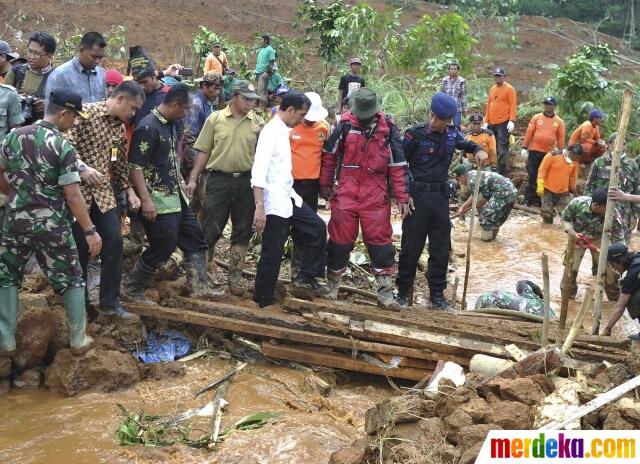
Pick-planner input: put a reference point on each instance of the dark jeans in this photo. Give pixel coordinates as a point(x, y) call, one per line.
point(429, 219)
point(306, 226)
point(533, 164)
point(108, 226)
point(228, 197)
point(169, 231)
point(308, 189)
point(502, 145)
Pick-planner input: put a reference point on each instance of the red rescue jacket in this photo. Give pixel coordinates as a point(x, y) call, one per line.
point(367, 166)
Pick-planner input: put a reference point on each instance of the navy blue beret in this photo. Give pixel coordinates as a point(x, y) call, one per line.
point(444, 106)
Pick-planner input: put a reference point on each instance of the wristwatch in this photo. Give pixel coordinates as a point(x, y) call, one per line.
point(91, 231)
point(82, 167)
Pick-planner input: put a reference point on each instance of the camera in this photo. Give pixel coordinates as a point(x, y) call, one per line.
point(185, 72)
point(27, 102)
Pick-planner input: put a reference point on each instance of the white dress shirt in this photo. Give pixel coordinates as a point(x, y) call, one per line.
point(272, 169)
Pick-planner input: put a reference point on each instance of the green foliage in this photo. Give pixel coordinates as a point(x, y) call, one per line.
point(239, 56)
point(289, 54)
point(154, 430)
point(322, 26)
point(404, 4)
point(68, 41)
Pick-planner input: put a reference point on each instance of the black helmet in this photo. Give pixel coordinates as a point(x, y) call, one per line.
point(526, 285)
point(618, 253)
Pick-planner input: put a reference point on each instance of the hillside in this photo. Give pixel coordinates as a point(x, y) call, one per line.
point(165, 27)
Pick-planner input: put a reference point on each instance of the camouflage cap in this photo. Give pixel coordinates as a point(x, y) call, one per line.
point(244, 88)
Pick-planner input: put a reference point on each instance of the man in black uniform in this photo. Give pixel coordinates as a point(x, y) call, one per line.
point(624, 261)
point(429, 149)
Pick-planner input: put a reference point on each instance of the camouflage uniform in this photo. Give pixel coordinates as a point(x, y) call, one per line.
point(583, 220)
point(525, 300)
point(628, 182)
point(38, 161)
point(501, 195)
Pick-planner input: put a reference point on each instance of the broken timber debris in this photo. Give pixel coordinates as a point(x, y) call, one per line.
point(420, 338)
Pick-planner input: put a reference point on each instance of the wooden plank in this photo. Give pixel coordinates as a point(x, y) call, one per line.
point(338, 361)
point(438, 342)
point(264, 330)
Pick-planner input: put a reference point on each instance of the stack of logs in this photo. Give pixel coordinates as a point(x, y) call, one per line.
point(366, 339)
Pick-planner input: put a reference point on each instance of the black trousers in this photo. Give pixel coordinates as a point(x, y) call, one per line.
point(429, 219)
point(502, 145)
point(533, 164)
point(108, 226)
point(308, 189)
point(306, 226)
point(169, 231)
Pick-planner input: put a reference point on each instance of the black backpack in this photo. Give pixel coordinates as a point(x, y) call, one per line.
point(19, 72)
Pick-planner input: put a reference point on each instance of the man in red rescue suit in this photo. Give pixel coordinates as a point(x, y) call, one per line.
point(362, 157)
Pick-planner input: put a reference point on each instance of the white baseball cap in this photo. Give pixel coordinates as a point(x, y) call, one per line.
point(316, 112)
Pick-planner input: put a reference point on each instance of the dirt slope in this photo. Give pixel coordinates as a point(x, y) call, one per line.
point(166, 26)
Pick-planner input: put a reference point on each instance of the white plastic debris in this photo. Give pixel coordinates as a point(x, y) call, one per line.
point(451, 371)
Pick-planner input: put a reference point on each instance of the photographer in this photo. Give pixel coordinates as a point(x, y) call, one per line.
point(30, 78)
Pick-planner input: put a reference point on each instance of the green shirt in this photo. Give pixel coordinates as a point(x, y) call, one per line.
point(30, 84)
point(274, 81)
point(227, 83)
point(265, 56)
point(229, 142)
point(10, 110)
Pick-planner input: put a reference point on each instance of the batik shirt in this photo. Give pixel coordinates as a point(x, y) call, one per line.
point(154, 151)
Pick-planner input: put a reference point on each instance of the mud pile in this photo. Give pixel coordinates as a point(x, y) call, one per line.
point(449, 426)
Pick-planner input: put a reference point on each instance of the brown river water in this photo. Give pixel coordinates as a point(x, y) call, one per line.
point(37, 426)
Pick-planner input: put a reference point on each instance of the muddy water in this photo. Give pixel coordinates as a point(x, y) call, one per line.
point(41, 427)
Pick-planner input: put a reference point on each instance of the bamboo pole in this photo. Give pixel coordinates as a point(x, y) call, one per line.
point(476, 193)
point(608, 217)
point(577, 323)
point(566, 279)
point(547, 300)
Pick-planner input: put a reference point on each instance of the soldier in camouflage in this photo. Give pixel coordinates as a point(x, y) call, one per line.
point(41, 177)
point(498, 197)
point(528, 299)
point(584, 218)
point(628, 183)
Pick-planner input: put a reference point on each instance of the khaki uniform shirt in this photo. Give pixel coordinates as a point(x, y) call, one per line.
point(229, 142)
point(10, 110)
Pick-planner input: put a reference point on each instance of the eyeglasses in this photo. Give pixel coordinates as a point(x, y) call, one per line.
point(35, 53)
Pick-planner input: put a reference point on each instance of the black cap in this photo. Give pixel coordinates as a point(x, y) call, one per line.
point(550, 101)
point(68, 99)
point(499, 72)
point(618, 253)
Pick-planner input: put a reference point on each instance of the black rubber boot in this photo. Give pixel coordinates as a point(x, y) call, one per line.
point(136, 283)
point(438, 303)
point(403, 300)
point(195, 266)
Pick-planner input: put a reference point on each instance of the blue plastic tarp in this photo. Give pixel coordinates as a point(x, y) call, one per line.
point(164, 347)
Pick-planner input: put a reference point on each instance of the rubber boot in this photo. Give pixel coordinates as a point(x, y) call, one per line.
point(385, 293)
point(136, 283)
point(438, 302)
point(74, 307)
point(8, 319)
point(403, 299)
point(333, 284)
point(494, 232)
point(237, 254)
point(486, 235)
point(195, 265)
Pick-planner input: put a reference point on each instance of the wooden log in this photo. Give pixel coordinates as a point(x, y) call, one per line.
point(547, 300)
point(528, 209)
point(434, 341)
point(338, 361)
point(271, 331)
point(454, 293)
point(565, 290)
point(577, 323)
point(474, 204)
point(611, 205)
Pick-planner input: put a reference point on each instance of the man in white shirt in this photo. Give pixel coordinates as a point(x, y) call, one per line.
point(280, 209)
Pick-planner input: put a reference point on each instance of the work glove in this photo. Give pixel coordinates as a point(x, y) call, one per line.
point(524, 153)
point(540, 187)
point(510, 126)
